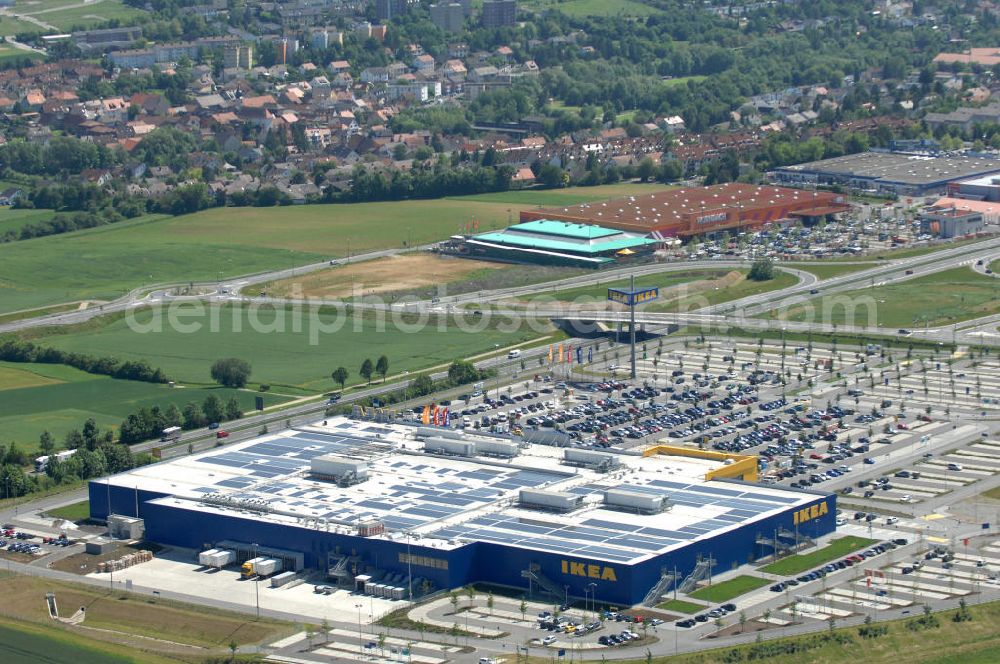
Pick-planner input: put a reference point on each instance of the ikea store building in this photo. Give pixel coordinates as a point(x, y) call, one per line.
point(427, 509)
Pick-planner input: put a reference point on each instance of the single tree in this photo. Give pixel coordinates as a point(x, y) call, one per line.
point(339, 376)
point(489, 603)
point(233, 410)
point(382, 366)
point(212, 408)
point(45, 443)
point(523, 608)
point(762, 269)
point(367, 369)
point(231, 372)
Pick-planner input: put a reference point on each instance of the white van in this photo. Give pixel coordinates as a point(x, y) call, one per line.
point(513, 354)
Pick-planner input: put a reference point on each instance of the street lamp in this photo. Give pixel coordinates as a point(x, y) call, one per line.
point(361, 650)
point(496, 348)
point(256, 580)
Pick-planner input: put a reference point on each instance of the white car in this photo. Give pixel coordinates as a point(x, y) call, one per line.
point(548, 640)
point(907, 498)
point(891, 520)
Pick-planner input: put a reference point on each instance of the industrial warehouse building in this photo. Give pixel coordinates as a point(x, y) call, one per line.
point(420, 509)
point(558, 243)
point(684, 213)
point(891, 173)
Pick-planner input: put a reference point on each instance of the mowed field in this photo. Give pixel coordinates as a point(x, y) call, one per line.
point(57, 398)
point(941, 298)
point(384, 275)
point(104, 263)
point(284, 347)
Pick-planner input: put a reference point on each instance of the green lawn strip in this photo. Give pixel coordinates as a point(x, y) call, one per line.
point(830, 270)
point(680, 606)
point(799, 563)
point(940, 298)
point(993, 493)
point(75, 512)
point(721, 592)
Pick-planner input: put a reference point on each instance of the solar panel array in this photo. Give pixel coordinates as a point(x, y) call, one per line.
point(416, 490)
point(615, 541)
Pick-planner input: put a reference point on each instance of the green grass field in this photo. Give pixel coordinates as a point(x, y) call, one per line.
point(64, 15)
point(226, 242)
point(680, 606)
point(279, 354)
point(683, 80)
point(11, 53)
point(76, 512)
point(10, 26)
point(721, 592)
point(737, 291)
point(830, 270)
point(797, 564)
point(585, 8)
point(23, 643)
point(599, 293)
point(940, 298)
point(13, 220)
point(57, 398)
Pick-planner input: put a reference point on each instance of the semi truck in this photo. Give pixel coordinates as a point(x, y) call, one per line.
point(261, 566)
point(217, 558)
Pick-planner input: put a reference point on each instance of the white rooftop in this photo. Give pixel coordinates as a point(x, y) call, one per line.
point(448, 501)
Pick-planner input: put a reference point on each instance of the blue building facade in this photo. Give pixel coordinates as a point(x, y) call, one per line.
point(622, 584)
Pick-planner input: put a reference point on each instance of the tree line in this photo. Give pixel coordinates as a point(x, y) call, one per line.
point(19, 350)
point(149, 423)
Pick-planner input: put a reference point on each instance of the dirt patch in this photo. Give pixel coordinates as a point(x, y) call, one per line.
point(383, 275)
point(750, 627)
point(84, 563)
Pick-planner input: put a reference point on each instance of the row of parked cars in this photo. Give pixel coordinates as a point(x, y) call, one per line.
point(848, 561)
point(717, 612)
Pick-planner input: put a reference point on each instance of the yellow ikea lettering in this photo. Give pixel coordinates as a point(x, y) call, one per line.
point(589, 570)
point(810, 513)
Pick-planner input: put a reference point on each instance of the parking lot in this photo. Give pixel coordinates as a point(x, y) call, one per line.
point(867, 229)
point(929, 574)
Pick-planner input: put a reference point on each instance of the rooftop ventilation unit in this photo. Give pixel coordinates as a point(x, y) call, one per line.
point(601, 461)
point(343, 471)
point(634, 501)
point(552, 501)
point(451, 446)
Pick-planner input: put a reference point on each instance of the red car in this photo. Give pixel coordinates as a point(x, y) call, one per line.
point(221, 434)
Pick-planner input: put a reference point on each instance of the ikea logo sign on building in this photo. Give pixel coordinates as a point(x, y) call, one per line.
point(588, 570)
point(810, 513)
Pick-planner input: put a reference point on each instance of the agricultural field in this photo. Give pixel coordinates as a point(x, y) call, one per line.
point(57, 398)
point(940, 298)
point(280, 353)
point(226, 242)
